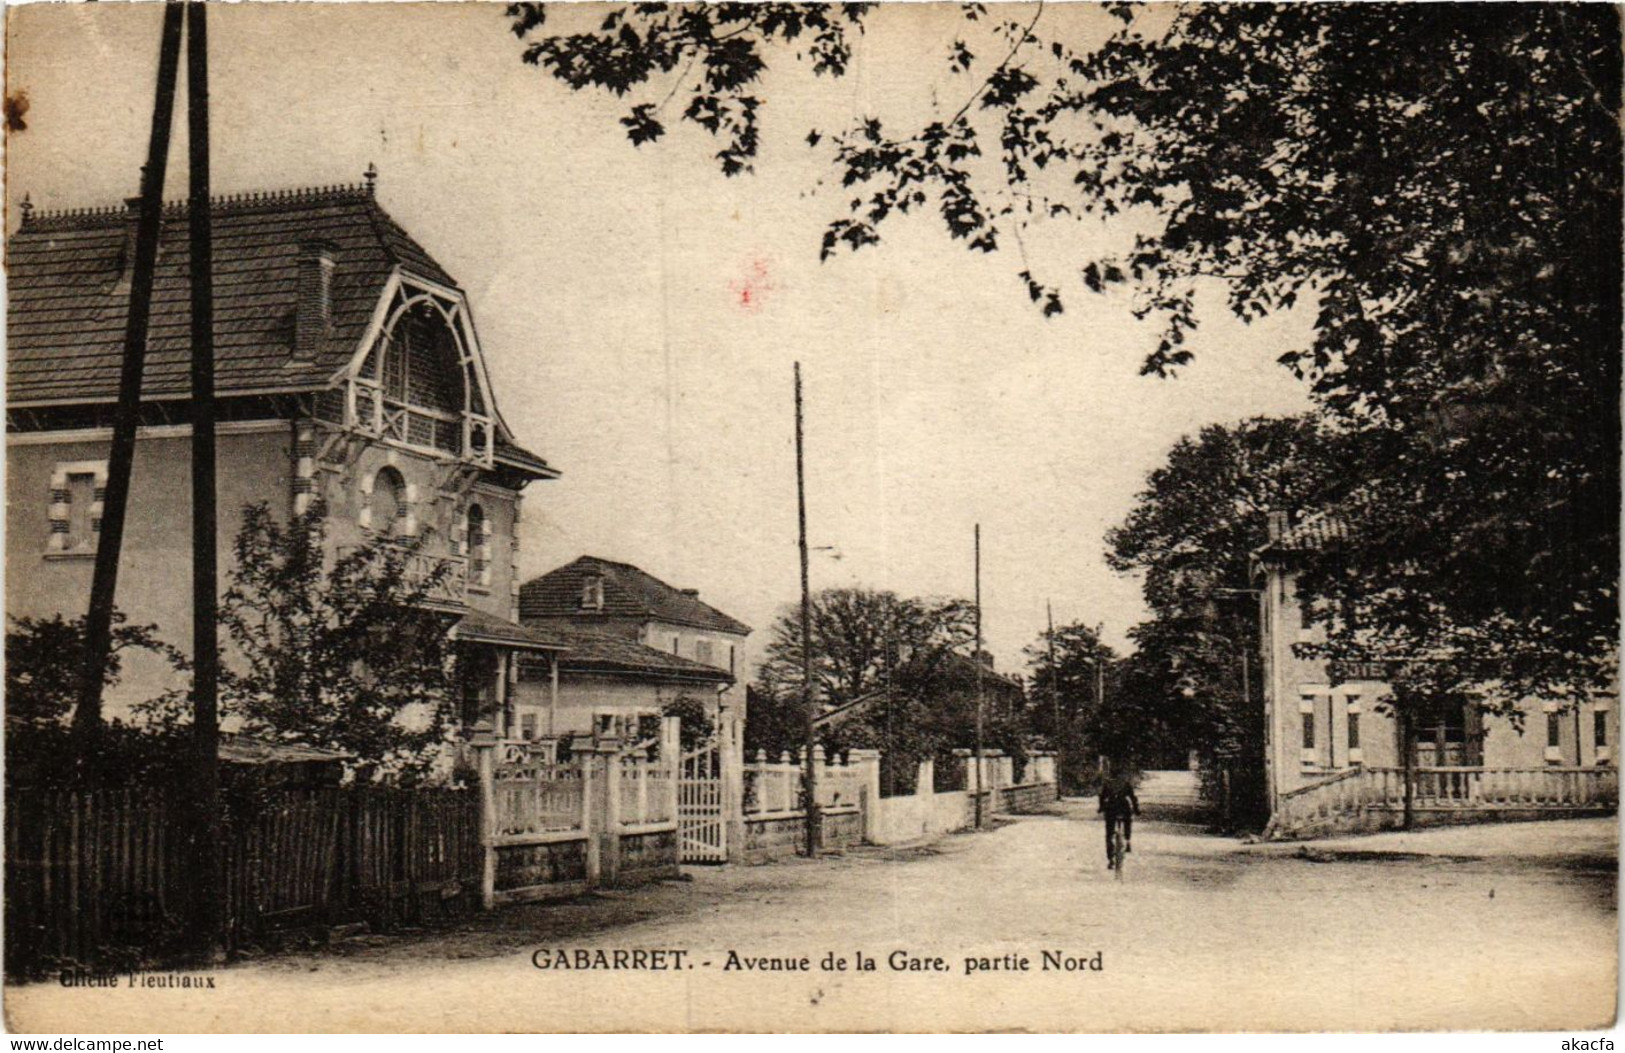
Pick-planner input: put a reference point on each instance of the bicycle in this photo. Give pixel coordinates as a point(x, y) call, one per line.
point(1119, 851)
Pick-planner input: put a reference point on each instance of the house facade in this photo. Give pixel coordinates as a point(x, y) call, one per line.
point(348, 372)
point(634, 645)
point(1318, 730)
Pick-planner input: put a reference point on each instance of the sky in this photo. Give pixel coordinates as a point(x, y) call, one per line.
point(641, 313)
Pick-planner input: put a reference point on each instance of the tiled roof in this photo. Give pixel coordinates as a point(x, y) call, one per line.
point(590, 651)
point(480, 627)
point(628, 593)
point(963, 667)
point(1315, 533)
point(66, 307)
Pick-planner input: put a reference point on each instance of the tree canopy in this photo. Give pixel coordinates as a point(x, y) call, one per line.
point(344, 654)
point(44, 667)
point(1442, 190)
point(1191, 537)
point(901, 664)
point(865, 640)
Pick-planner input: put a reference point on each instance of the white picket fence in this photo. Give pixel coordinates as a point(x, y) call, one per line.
point(590, 816)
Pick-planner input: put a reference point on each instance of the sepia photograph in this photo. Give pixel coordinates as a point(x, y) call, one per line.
point(1063, 517)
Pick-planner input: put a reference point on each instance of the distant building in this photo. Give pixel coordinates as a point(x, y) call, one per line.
point(1317, 730)
point(634, 644)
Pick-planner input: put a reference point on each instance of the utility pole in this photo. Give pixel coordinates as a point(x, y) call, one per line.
point(1054, 686)
point(205, 574)
point(887, 761)
point(87, 716)
point(978, 656)
point(809, 770)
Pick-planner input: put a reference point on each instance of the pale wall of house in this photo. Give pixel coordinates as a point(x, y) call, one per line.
point(439, 511)
point(154, 573)
point(1295, 685)
point(685, 642)
point(256, 463)
point(581, 696)
point(727, 653)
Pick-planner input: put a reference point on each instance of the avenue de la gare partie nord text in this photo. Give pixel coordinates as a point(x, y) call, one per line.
point(581, 959)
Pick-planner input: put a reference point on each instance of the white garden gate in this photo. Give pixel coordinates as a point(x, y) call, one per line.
point(702, 829)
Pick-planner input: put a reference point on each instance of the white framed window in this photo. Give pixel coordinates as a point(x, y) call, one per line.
point(1602, 743)
point(592, 593)
point(1354, 709)
point(1554, 733)
point(78, 489)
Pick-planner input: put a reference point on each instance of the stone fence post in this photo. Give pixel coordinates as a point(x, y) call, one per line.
point(671, 758)
point(484, 745)
point(601, 786)
point(868, 763)
point(731, 747)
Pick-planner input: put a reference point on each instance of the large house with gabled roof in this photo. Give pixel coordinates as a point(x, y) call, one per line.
point(347, 369)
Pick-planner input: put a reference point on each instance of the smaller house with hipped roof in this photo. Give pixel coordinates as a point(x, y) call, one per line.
point(634, 644)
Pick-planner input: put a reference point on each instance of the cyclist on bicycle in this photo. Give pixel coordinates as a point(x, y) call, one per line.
point(1119, 805)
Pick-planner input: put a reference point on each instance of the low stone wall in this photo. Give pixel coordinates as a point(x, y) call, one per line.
point(918, 816)
point(648, 855)
point(784, 834)
point(540, 871)
point(1376, 819)
point(843, 828)
point(900, 819)
point(1033, 797)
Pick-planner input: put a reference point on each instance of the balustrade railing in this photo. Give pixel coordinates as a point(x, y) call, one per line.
point(838, 786)
point(1443, 789)
point(451, 585)
point(772, 786)
point(645, 792)
point(532, 796)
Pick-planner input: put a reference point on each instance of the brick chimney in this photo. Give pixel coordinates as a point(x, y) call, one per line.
point(313, 317)
point(690, 592)
point(126, 252)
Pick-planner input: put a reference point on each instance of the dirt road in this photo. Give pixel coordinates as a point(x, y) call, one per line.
point(1204, 934)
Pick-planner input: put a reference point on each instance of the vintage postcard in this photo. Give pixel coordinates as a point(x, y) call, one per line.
point(905, 517)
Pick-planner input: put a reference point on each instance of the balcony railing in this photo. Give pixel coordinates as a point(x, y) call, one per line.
point(452, 586)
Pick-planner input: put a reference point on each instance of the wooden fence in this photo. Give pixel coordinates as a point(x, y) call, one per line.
point(105, 878)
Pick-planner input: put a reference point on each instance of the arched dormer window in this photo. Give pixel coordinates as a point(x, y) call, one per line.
point(419, 384)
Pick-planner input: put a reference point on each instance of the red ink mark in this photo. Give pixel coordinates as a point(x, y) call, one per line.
point(754, 287)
